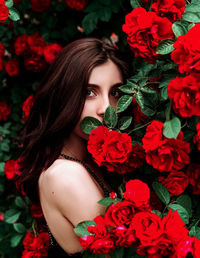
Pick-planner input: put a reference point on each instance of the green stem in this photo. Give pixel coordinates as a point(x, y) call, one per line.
point(168, 112)
point(139, 127)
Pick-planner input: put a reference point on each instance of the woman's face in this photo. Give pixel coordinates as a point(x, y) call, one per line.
point(102, 91)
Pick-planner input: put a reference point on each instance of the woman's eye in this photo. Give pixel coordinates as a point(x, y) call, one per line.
point(115, 93)
point(90, 93)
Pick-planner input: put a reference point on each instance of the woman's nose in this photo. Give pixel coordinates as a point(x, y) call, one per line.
point(103, 104)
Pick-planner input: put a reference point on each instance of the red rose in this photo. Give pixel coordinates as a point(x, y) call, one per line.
point(5, 110)
point(185, 95)
point(172, 9)
point(12, 168)
point(31, 254)
point(102, 246)
point(135, 159)
point(96, 143)
point(187, 51)
point(123, 237)
point(4, 12)
point(145, 30)
point(113, 195)
point(196, 248)
point(36, 211)
point(139, 117)
point(26, 107)
point(119, 214)
point(2, 50)
point(86, 241)
point(99, 230)
point(77, 4)
point(1, 216)
point(176, 182)
point(185, 246)
point(163, 153)
point(51, 51)
point(34, 63)
point(40, 6)
point(174, 227)
point(39, 244)
point(148, 227)
point(138, 193)
point(36, 43)
point(196, 138)
point(193, 172)
point(12, 67)
point(21, 45)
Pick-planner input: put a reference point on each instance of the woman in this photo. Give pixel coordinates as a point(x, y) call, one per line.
point(57, 170)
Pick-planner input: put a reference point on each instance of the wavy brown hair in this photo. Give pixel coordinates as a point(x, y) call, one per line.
point(58, 105)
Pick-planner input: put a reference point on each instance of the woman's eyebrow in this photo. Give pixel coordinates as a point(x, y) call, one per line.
point(97, 86)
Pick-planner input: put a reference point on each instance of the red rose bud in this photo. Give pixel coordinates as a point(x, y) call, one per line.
point(12, 168)
point(21, 45)
point(12, 67)
point(51, 51)
point(113, 195)
point(1, 216)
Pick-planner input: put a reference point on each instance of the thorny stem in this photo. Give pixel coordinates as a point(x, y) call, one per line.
point(139, 127)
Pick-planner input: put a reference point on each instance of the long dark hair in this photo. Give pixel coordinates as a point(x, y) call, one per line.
point(58, 104)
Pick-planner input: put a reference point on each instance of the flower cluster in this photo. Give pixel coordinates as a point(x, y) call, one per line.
point(131, 223)
point(35, 51)
point(114, 150)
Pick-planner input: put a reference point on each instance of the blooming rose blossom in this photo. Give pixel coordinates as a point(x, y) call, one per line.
point(37, 245)
point(34, 63)
point(40, 6)
point(21, 46)
point(174, 227)
point(26, 107)
point(176, 182)
point(187, 51)
point(185, 246)
point(193, 172)
point(196, 138)
point(196, 248)
point(102, 246)
point(109, 148)
point(5, 110)
point(99, 230)
point(86, 241)
point(145, 30)
point(163, 153)
point(79, 5)
point(185, 95)
point(4, 12)
point(148, 227)
point(51, 51)
point(12, 67)
point(36, 44)
point(172, 9)
point(12, 168)
point(119, 214)
point(138, 193)
point(123, 236)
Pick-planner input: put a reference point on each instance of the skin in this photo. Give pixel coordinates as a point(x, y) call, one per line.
point(68, 193)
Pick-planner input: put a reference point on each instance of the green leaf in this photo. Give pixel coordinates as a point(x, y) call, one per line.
point(193, 7)
point(159, 213)
point(195, 231)
point(20, 202)
point(185, 201)
point(9, 3)
point(172, 128)
point(107, 201)
point(118, 253)
point(135, 3)
point(129, 88)
point(148, 90)
point(89, 22)
point(14, 14)
point(89, 123)
point(104, 14)
point(19, 227)
point(139, 98)
point(161, 192)
point(163, 93)
point(110, 117)
point(179, 29)
point(15, 240)
point(2, 165)
point(81, 228)
point(191, 17)
point(11, 216)
point(165, 46)
point(123, 103)
point(181, 210)
point(124, 122)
